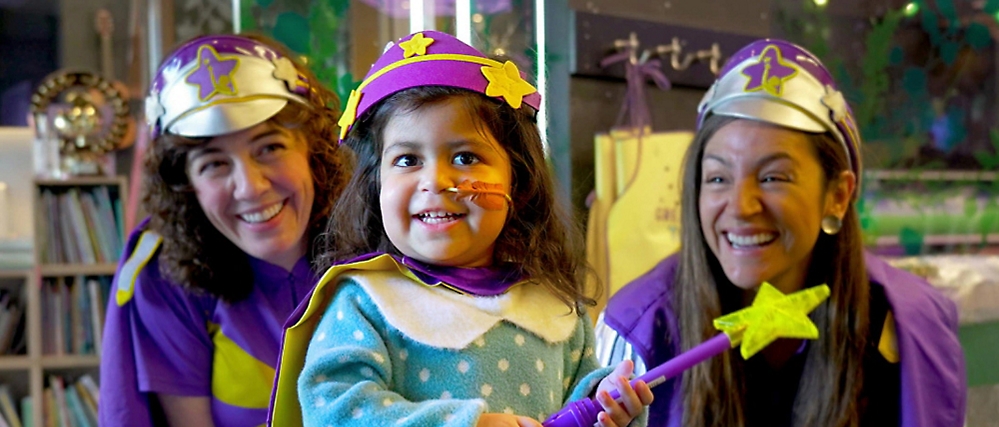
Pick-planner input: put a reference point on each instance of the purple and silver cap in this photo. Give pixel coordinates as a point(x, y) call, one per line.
point(778, 82)
point(433, 58)
point(219, 84)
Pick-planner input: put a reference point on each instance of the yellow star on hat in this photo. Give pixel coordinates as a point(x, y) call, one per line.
point(285, 70)
point(505, 81)
point(417, 45)
point(349, 113)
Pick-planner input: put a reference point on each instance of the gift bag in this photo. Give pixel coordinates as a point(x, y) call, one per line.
point(634, 221)
point(634, 218)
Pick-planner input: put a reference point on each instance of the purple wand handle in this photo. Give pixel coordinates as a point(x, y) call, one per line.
point(583, 412)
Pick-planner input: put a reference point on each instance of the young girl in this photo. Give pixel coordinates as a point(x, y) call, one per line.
point(464, 304)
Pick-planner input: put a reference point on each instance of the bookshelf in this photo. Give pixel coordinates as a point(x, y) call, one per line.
point(78, 237)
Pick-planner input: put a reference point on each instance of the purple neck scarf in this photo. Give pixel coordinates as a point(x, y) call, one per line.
point(478, 281)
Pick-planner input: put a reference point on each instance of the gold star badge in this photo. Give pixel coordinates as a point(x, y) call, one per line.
point(416, 45)
point(833, 100)
point(773, 315)
point(349, 113)
point(285, 70)
point(505, 81)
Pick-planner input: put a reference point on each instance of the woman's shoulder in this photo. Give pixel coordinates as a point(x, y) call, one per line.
point(650, 289)
point(911, 297)
point(139, 278)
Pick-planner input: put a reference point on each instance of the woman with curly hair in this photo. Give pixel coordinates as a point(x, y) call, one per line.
point(240, 178)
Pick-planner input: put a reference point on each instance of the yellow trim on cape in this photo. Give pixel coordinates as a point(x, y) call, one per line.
point(125, 279)
point(286, 410)
point(238, 378)
point(888, 344)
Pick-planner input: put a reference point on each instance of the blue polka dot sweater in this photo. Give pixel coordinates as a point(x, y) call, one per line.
point(392, 351)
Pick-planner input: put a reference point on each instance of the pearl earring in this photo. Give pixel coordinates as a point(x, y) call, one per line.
point(831, 224)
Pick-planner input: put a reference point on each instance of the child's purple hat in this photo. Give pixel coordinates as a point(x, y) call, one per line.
point(778, 82)
point(219, 84)
point(432, 58)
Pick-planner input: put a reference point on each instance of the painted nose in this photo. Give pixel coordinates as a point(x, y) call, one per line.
point(436, 178)
point(249, 181)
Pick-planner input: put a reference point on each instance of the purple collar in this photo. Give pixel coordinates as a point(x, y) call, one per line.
point(479, 281)
point(270, 274)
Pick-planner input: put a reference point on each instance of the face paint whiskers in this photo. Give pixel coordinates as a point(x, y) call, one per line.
point(484, 194)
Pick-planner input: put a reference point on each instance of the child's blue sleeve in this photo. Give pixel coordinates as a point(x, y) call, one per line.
point(589, 373)
point(347, 377)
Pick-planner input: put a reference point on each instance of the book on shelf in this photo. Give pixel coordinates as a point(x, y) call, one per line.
point(11, 323)
point(97, 303)
point(27, 412)
point(80, 225)
point(76, 411)
point(88, 383)
point(60, 408)
point(50, 416)
point(68, 403)
point(7, 407)
point(73, 314)
point(89, 402)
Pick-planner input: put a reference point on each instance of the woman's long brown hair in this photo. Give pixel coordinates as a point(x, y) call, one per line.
point(713, 392)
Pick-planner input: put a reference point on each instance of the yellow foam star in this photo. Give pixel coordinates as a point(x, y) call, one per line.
point(772, 315)
point(505, 81)
point(417, 45)
point(349, 113)
point(285, 70)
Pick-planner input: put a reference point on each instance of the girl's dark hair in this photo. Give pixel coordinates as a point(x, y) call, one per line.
point(540, 237)
point(828, 395)
point(194, 253)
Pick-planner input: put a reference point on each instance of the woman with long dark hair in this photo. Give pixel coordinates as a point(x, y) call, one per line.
point(768, 189)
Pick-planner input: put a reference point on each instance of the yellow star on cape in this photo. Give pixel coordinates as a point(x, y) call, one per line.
point(349, 113)
point(417, 45)
point(505, 81)
point(773, 315)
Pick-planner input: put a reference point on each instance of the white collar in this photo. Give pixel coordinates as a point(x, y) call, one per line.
point(430, 314)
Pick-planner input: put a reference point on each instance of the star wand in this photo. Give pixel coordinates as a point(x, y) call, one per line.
point(772, 315)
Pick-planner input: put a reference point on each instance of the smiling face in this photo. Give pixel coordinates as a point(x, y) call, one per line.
point(763, 195)
point(255, 186)
point(426, 151)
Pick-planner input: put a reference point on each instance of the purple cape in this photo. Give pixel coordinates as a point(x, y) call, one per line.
point(933, 381)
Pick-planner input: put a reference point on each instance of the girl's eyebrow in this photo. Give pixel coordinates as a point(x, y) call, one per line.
point(402, 145)
point(474, 143)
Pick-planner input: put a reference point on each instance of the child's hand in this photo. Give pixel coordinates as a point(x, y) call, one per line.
point(619, 414)
point(506, 420)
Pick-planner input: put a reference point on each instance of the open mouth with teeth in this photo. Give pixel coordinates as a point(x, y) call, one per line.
point(751, 241)
point(438, 217)
point(264, 215)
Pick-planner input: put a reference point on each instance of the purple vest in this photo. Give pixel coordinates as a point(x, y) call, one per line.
point(933, 382)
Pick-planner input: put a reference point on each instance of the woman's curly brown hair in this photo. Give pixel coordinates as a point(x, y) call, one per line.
point(194, 253)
